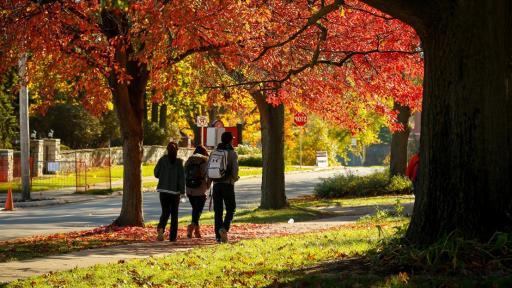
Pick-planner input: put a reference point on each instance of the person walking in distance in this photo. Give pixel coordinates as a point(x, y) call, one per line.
point(223, 171)
point(197, 184)
point(171, 185)
point(412, 171)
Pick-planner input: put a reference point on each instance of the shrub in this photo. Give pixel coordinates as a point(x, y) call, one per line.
point(247, 150)
point(350, 185)
point(250, 160)
point(399, 185)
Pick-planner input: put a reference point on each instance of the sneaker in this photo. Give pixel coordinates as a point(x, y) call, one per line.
point(197, 231)
point(223, 235)
point(160, 236)
point(190, 229)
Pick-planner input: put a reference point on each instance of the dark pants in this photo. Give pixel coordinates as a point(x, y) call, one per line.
point(223, 193)
point(170, 204)
point(197, 203)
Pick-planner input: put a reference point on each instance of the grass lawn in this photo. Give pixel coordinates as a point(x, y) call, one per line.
point(260, 216)
point(314, 202)
point(348, 256)
point(249, 263)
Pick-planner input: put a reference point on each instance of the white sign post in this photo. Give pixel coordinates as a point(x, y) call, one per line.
point(300, 120)
point(202, 121)
point(321, 159)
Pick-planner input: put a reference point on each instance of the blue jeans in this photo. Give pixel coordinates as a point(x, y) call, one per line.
point(223, 194)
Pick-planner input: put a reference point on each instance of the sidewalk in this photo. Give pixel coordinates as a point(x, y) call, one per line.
point(11, 271)
point(68, 195)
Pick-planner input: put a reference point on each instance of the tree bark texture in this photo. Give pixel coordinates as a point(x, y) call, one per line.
point(272, 139)
point(163, 116)
point(399, 141)
point(129, 103)
point(154, 112)
point(466, 157)
point(145, 114)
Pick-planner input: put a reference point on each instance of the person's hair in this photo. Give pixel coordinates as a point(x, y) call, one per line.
point(226, 137)
point(172, 151)
point(201, 150)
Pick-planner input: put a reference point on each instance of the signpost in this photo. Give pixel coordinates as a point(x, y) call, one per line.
point(321, 159)
point(300, 120)
point(24, 128)
point(202, 121)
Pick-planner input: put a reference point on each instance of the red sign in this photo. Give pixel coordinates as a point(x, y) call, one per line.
point(300, 118)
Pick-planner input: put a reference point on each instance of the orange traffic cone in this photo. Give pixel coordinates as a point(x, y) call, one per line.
point(9, 203)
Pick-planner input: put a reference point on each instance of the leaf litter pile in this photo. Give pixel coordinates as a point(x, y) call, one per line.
point(105, 236)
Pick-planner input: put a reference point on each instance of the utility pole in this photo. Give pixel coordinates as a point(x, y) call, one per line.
point(24, 130)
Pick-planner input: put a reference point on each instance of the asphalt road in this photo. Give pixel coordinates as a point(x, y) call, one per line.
point(85, 215)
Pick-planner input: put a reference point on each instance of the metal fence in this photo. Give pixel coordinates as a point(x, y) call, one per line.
point(71, 176)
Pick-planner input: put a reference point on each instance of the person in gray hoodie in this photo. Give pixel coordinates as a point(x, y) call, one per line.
point(171, 185)
point(197, 185)
point(224, 190)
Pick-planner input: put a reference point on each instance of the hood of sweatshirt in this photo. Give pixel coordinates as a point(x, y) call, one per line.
point(197, 158)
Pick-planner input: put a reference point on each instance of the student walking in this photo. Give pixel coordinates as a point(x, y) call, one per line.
point(197, 184)
point(171, 185)
point(223, 170)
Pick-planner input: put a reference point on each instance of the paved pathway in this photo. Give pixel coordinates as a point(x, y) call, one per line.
point(85, 215)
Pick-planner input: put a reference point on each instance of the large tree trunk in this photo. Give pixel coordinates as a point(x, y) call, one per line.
point(129, 103)
point(466, 156)
point(163, 116)
point(272, 139)
point(154, 112)
point(399, 141)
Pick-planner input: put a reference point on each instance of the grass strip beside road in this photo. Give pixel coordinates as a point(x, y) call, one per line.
point(249, 263)
point(61, 243)
point(315, 202)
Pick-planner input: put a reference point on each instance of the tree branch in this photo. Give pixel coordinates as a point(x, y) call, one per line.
point(311, 21)
point(199, 49)
point(413, 12)
point(314, 62)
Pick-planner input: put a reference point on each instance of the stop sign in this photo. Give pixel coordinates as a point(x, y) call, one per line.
point(300, 118)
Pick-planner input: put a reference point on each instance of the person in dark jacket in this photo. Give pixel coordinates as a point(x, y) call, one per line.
point(197, 193)
point(224, 190)
point(171, 185)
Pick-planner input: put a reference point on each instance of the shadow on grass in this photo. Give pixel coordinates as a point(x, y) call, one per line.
point(359, 272)
point(450, 262)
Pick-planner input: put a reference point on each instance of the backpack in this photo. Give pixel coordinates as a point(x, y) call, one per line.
point(193, 175)
point(217, 164)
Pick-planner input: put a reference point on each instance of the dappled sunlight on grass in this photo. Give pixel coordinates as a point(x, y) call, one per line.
point(249, 263)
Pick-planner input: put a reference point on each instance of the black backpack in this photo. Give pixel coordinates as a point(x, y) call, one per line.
point(193, 175)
